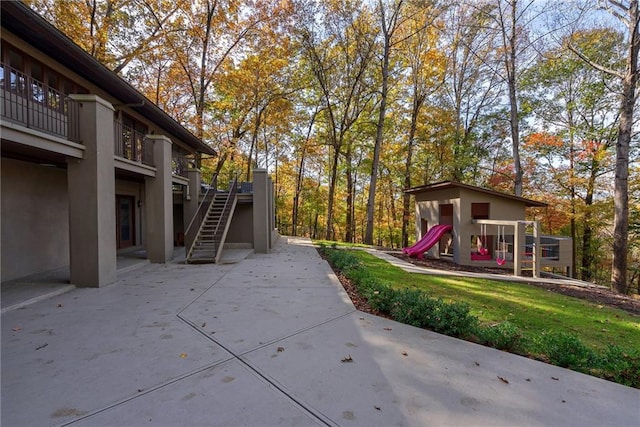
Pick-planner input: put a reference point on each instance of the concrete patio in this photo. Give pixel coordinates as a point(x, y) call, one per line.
point(271, 340)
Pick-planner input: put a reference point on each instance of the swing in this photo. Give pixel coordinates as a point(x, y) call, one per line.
point(482, 249)
point(501, 259)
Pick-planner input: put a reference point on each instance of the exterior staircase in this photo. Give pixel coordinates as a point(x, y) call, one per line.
point(216, 212)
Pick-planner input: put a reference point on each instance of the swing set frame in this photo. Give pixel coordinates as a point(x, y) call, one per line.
point(531, 260)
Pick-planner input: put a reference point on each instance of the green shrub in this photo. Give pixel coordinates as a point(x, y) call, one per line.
point(566, 350)
point(617, 365)
point(412, 307)
point(342, 260)
point(381, 297)
point(416, 308)
point(503, 336)
point(452, 318)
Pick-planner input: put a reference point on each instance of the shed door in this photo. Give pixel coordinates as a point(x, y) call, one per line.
point(446, 218)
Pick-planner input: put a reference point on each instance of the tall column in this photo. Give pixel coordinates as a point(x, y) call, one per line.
point(260, 211)
point(159, 202)
point(193, 196)
point(272, 212)
point(518, 247)
point(537, 249)
point(91, 183)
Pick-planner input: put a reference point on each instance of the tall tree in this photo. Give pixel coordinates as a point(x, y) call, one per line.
point(564, 94)
point(424, 63)
point(512, 20)
point(627, 13)
point(471, 87)
point(339, 51)
point(390, 21)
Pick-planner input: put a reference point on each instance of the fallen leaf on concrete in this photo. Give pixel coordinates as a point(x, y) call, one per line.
point(16, 329)
point(183, 355)
point(504, 380)
point(280, 349)
point(347, 359)
point(404, 353)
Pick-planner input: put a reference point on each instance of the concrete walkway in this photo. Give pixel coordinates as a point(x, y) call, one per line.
point(272, 340)
point(412, 268)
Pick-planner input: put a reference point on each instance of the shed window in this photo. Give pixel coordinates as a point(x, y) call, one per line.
point(480, 210)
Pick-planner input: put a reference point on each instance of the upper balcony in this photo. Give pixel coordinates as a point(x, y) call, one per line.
point(131, 144)
point(33, 111)
point(34, 105)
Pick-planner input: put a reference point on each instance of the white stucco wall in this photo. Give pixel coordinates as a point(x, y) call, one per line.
point(35, 219)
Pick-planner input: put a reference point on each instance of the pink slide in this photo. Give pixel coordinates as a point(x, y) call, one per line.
point(428, 240)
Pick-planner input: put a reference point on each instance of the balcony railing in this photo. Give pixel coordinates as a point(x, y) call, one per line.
point(132, 145)
point(180, 163)
point(37, 106)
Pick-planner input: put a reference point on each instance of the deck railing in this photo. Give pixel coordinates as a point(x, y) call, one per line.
point(180, 164)
point(36, 105)
point(131, 144)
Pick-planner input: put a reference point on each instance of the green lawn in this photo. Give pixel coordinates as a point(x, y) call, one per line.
point(533, 310)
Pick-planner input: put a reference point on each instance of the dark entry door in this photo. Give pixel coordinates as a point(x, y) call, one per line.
point(446, 218)
point(125, 221)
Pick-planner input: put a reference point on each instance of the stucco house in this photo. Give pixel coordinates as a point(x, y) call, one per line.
point(90, 167)
point(488, 228)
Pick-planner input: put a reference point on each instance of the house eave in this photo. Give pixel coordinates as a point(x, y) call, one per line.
point(20, 20)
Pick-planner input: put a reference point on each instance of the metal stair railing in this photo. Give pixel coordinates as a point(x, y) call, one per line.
point(223, 221)
point(191, 234)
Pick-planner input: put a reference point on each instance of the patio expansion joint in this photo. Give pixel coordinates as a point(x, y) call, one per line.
point(168, 382)
point(307, 408)
point(148, 391)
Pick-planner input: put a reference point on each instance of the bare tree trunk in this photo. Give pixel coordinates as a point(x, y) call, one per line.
point(573, 217)
point(621, 183)
point(510, 41)
point(586, 272)
point(621, 190)
point(296, 197)
point(388, 28)
point(406, 198)
point(348, 236)
point(332, 192)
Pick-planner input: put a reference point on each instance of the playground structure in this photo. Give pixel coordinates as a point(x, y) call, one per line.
point(432, 237)
point(475, 226)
